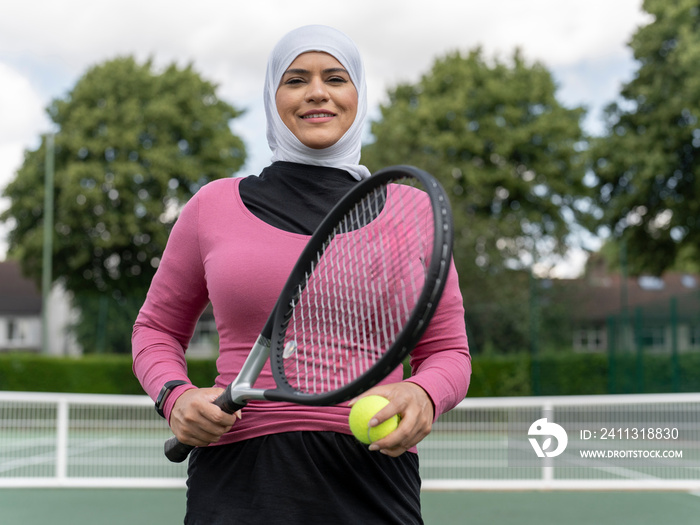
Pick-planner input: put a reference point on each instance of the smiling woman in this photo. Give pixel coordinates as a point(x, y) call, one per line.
point(339, 55)
point(317, 100)
point(233, 246)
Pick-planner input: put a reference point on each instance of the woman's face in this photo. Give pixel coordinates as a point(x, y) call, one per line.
point(316, 99)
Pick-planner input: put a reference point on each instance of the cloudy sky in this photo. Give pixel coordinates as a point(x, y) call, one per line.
point(46, 46)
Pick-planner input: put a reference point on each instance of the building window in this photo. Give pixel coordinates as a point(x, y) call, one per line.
point(694, 336)
point(590, 339)
point(16, 331)
point(653, 337)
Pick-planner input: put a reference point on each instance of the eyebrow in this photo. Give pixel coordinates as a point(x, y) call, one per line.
point(300, 71)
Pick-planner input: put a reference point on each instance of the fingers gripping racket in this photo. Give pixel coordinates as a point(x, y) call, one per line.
point(358, 299)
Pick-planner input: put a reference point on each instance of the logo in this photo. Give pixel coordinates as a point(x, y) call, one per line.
point(290, 348)
point(551, 430)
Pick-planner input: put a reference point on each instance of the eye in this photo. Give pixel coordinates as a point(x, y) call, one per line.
point(337, 80)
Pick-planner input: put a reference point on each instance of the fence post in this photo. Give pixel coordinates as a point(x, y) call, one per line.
point(612, 361)
point(47, 249)
point(534, 337)
point(639, 343)
point(674, 345)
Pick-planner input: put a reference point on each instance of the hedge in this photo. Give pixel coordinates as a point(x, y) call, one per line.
point(110, 374)
point(493, 376)
point(584, 374)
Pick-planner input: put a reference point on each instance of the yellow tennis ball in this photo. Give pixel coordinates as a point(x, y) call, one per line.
point(361, 414)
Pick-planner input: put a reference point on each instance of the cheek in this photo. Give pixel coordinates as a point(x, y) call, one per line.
point(282, 103)
point(350, 105)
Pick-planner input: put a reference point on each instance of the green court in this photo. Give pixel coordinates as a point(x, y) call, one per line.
point(49, 440)
point(166, 507)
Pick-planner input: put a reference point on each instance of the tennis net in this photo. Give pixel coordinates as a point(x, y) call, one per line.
point(79, 440)
point(619, 442)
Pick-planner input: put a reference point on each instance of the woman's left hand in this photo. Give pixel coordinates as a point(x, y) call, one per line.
point(416, 410)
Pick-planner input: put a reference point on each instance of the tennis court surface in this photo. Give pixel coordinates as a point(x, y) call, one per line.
point(166, 507)
point(76, 459)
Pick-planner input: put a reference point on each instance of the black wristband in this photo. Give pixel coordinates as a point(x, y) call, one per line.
point(165, 392)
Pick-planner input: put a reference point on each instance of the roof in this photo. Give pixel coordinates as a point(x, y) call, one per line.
point(18, 294)
point(604, 296)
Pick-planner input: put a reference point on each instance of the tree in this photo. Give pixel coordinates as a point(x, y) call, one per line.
point(132, 145)
point(647, 162)
point(510, 157)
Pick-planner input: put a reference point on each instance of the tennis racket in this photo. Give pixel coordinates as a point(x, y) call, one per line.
point(358, 299)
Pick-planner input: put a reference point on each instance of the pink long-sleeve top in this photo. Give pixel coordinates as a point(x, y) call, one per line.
point(220, 252)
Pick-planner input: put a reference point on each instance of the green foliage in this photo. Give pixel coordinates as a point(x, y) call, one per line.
point(550, 374)
point(88, 375)
point(654, 373)
point(492, 376)
point(500, 376)
point(562, 374)
point(133, 144)
point(503, 147)
point(510, 157)
point(107, 321)
point(647, 163)
point(572, 374)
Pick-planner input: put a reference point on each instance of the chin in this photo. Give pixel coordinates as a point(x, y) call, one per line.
point(319, 143)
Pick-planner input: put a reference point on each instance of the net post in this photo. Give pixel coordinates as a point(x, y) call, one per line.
point(547, 468)
point(62, 439)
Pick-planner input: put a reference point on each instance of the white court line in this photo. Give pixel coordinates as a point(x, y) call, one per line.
point(50, 457)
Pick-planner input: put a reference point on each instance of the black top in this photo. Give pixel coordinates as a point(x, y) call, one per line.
point(295, 197)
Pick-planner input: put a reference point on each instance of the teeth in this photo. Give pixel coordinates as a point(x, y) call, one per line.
point(318, 115)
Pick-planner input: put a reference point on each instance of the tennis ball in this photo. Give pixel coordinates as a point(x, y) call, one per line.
point(361, 414)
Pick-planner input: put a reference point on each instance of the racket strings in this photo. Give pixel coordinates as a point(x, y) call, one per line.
point(360, 291)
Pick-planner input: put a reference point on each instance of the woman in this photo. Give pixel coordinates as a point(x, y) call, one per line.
point(234, 245)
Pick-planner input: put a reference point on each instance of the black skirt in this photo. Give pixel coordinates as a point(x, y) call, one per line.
point(301, 478)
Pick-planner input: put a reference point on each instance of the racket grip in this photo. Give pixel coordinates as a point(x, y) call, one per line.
point(175, 451)
point(225, 403)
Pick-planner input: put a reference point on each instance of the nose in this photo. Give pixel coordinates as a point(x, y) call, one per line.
point(317, 91)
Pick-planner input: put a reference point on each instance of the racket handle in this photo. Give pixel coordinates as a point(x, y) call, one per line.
point(177, 452)
point(226, 403)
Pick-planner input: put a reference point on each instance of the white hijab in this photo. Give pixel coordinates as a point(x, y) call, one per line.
point(285, 146)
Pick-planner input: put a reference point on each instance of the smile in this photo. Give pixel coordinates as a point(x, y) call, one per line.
point(318, 115)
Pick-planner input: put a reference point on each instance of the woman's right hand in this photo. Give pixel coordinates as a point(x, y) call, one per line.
point(196, 420)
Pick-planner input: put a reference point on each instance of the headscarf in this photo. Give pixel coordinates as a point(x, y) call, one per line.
point(285, 146)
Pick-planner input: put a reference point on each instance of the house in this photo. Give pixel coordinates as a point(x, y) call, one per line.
point(21, 315)
point(20, 310)
point(649, 313)
point(21, 319)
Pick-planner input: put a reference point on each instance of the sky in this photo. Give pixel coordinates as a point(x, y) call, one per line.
point(46, 46)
